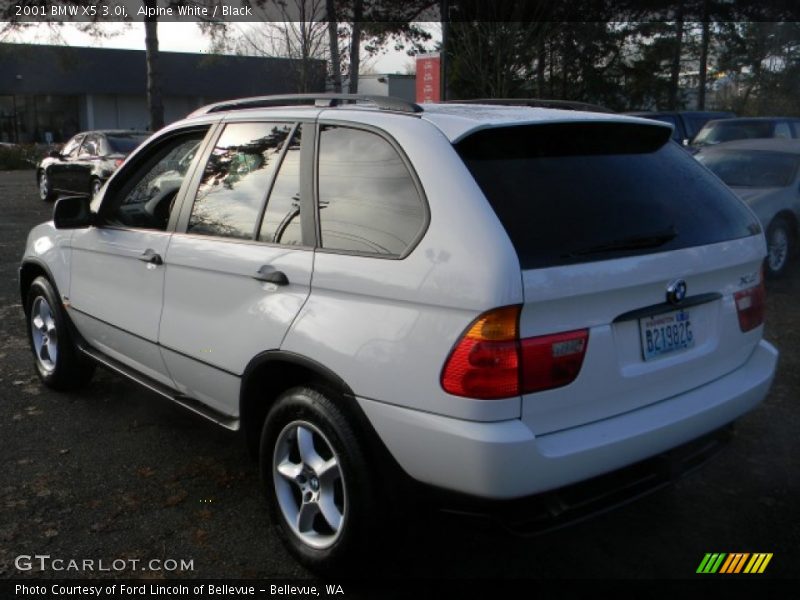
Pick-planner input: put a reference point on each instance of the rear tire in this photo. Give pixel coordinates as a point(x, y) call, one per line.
point(780, 247)
point(321, 496)
point(57, 360)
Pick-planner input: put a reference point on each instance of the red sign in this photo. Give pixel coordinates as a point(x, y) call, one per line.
point(428, 78)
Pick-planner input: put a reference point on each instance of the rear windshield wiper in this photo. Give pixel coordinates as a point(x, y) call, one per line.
point(639, 242)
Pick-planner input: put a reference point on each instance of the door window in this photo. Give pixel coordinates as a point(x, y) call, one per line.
point(146, 198)
point(368, 202)
point(236, 180)
point(282, 218)
point(89, 146)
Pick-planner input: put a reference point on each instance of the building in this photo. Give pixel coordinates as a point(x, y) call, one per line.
point(48, 93)
point(399, 86)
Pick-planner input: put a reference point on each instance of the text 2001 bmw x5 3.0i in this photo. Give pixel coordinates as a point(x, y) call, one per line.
point(493, 301)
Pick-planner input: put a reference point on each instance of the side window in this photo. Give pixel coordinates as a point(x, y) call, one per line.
point(281, 223)
point(782, 130)
point(236, 179)
point(147, 198)
point(70, 149)
point(89, 146)
point(368, 202)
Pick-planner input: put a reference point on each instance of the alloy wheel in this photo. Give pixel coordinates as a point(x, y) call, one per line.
point(309, 484)
point(778, 249)
point(44, 186)
point(44, 333)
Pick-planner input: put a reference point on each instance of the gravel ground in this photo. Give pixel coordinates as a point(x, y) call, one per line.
point(114, 472)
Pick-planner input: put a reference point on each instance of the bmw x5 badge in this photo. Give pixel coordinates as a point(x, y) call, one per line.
point(676, 291)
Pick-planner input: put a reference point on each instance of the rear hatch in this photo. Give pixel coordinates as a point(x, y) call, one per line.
point(621, 233)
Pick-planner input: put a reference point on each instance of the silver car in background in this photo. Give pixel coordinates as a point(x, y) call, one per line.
point(764, 173)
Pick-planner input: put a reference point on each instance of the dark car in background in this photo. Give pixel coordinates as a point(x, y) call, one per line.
point(686, 123)
point(765, 173)
point(746, 128)
point(85, 162)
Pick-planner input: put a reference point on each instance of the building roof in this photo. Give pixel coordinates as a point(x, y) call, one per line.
point(69, 70)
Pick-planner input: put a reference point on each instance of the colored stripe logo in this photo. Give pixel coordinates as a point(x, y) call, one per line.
point(736, 562)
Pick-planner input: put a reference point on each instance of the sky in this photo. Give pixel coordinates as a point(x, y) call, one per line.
point(173, 37)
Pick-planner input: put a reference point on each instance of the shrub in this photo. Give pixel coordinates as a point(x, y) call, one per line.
point(21, 156)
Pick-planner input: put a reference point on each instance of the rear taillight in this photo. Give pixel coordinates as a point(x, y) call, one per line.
point(490, 361)
point(750, 306)
point(552, 361)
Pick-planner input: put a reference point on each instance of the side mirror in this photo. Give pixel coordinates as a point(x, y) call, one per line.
point(73, 213)
point(54, 154)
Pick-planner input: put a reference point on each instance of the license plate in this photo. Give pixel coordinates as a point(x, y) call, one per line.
point(666, 333)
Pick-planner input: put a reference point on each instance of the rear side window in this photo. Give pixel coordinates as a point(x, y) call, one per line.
point(368, 202)
point(573, 193)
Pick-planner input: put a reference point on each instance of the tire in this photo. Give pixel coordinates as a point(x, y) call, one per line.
point(46, 193)
point(57, 360)
point(95, 188)
point(329, 480)
point(780, 246)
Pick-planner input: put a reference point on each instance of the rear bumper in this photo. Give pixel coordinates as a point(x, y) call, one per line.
point(503, 460)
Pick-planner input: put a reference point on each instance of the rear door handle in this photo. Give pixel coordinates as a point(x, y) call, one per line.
point(152, 257)
point(270, 274)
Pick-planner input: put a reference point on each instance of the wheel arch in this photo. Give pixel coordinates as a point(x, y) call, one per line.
point(790, 217)
point(29, 270)
point(271, 373)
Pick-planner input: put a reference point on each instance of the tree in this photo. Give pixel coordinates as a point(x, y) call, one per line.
point(155, 102)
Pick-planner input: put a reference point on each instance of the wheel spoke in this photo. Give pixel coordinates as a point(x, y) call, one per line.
point(305, 516)
point(329, 470)
point(330, 512)
point(290, 470)
point(38, 322)
point(305, 444)
point(44, 311)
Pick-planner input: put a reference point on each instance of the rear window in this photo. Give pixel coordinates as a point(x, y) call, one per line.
point(125, 144)
point(572, 193)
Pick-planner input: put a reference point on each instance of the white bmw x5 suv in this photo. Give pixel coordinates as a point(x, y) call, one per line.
point(493, 301)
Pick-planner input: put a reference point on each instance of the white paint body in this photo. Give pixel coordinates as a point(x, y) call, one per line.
point(386, 326)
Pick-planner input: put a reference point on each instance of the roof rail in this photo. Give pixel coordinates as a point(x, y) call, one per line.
point(536, 103)
point(326, 100)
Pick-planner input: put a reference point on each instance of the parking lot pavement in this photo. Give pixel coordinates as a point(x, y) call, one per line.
point(114, 472)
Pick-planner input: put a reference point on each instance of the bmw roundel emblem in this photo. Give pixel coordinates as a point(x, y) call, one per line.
point(676, 291)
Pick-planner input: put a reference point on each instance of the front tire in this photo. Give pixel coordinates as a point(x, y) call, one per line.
point(97, 185)
point(780, 245)
point(319, 491)
point(57, 360)
point(46, 193)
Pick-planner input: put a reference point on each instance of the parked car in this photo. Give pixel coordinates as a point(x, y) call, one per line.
point(685, 123)
point(494, 301)
point(85, 162)
point(745, 128)
point(766, 175)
